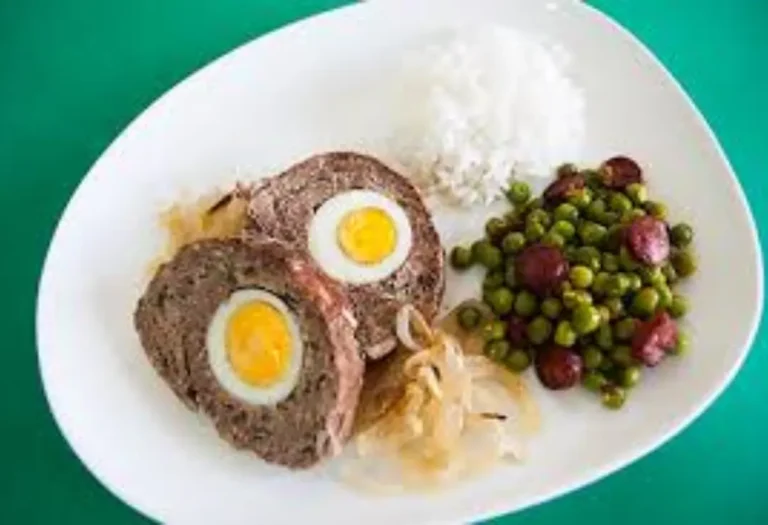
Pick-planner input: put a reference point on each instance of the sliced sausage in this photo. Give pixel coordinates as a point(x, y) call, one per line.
point(564, 187)
point(648, 240)
point(558, 368)
point(653, 338)
point(541, 268)
point(619, 172)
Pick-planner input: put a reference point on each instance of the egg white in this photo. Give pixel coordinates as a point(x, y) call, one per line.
point(219, 361)
point(329, 256)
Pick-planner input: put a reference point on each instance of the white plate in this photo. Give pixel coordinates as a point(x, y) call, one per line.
point(315, 86)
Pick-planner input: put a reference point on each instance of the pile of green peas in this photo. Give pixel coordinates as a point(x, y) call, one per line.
point(607, 293)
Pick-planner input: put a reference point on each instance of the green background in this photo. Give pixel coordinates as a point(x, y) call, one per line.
point(72, 76)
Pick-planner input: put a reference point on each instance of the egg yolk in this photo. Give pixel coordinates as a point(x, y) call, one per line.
point(259, 343)
point(367, 235)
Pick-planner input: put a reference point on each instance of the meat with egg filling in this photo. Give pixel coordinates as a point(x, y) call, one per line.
point(363, 225)
point(257, 339)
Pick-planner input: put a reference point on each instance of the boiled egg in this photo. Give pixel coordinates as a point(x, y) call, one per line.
point(254, 347)
point(360, 236)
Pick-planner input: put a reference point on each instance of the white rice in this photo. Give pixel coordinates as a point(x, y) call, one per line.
point(481, 107)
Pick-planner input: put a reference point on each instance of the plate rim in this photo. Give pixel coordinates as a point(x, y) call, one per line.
point(470, 511)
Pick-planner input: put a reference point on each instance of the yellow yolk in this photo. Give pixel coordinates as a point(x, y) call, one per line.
point(367, 235)
point(259, 343)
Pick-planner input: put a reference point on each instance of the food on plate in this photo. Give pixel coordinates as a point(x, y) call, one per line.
point(484, 105)
point(450, 412)
point(363, 225)
point(254, 337)
point(583, 280)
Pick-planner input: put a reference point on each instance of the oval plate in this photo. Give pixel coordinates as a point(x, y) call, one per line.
point(313, 86)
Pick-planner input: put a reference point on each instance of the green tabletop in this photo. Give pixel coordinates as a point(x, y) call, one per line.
point(72, 76)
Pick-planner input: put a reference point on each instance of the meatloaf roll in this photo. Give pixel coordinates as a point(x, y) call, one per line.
point(259, 341)
point(363, 225)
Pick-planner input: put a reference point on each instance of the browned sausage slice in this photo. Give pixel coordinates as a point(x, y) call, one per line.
point(564, 187)
point(647, 240)
point(558, 368)
point(541, 268)
point(619, 172)
point(653, 338)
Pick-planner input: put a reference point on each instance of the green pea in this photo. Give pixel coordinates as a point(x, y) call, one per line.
point(581, 199)
point(492, 280)
point(622, 355)
point(614, 238)
point(496, 228)
point(684, 263)
point(594, 381)
point(534, 204)
point(574, 298)
point(617, 285)
point(613, 397)
point(565, 334)
point(513, 242)
point(564, 228)
point(480, 247)
point(539, 330)
point(490, 257)
point(656, 209)
point(592, 234)
point(630, 376)
point(683, 344)
point(525, 304)
point(566, 212)
point(497, 350)
point(604, 337)
point(610, 262)
point(608, 218)
point(645, 302)
point(518, 193)
point(635, 281)
point(624, 330)
point(517, 360)
point(588, 256)
point(627, 262)
point(461, 257)
point(541, 216)
point(652, 276)
point(494, 330)
point(681, 235)
point(605, 313)
point(501, 300)
point(669, 272)
point(599, 285)
point(678, 307)
point(620, 203)
point(581, 276)
point(595, 209)
point(551, 307)
point(631, 215)
point(585, 319)
point(615, 306)
point(553, 239)
point(637, 192)
point(469, 317)
point(665, 296)
point(534, 231)
point(593, 357)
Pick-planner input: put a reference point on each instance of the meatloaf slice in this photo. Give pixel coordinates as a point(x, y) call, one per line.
point(283, 208)
point(172, 320)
